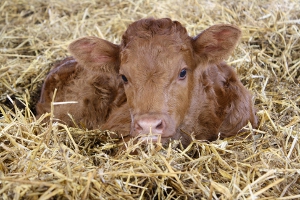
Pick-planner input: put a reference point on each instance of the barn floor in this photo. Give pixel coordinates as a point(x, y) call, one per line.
point(51, 161)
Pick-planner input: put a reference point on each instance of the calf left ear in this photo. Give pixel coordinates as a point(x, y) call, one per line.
point(94, 53)
point(216, 43)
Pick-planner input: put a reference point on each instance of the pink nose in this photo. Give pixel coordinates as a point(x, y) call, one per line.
point(143, 126)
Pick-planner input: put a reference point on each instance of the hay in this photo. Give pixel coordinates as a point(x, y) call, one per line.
point(40, 161)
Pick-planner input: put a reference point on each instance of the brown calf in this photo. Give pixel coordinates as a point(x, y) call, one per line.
point(173, 83)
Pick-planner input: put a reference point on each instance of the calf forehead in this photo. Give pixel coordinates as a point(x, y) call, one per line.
point(153, 61)
point(155, 39)
point(149, 28)
point(159, 53)
point(157, 50)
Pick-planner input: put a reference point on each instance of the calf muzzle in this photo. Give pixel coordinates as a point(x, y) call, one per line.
point(152, 125)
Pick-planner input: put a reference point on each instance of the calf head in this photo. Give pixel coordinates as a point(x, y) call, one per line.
point(161, 66)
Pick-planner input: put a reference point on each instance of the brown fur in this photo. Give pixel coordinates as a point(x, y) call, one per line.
point(90, 79)
point(151, 59)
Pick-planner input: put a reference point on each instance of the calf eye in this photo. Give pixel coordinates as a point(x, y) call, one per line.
point(182, 74)
point(124, 79)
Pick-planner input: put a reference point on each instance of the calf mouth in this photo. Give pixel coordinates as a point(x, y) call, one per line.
point(150, 138)
point(153, 138)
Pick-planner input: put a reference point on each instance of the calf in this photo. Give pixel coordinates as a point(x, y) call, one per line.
point(172, 83)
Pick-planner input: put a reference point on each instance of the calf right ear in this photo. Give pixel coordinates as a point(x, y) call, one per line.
point(216, 43)
point(93, 52)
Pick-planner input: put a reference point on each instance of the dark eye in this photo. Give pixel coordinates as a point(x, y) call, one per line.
point(124, 79)
point(182, 74)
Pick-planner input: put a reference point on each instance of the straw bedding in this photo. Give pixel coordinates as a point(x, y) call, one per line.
point(51, 161)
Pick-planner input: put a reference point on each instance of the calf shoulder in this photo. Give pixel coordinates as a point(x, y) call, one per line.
point(234, 102)
point(96, 94)
point(223, 104)
point(57, 78)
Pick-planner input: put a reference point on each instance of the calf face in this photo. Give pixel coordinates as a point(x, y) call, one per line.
point(174, 84)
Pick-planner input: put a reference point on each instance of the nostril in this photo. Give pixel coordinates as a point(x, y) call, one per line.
point(144, 126)
point(159, 126)
point(138, 127)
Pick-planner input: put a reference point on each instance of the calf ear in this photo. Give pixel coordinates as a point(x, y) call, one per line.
point(93, 52)
point(216, 43)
